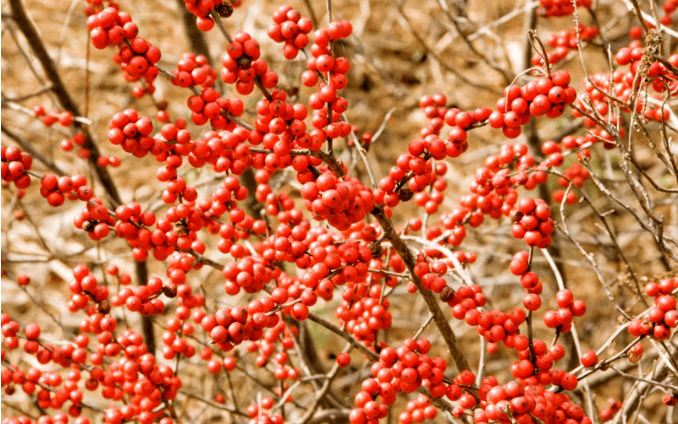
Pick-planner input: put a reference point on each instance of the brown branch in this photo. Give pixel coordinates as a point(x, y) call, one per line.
point(437, 57)
point(430, 299)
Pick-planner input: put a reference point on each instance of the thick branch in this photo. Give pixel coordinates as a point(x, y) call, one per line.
point(430, 299)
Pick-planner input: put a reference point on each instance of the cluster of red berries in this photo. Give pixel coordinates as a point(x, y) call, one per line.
point(280, 127)
point(132, 132)
point(143, 299)
point(555, 8)
point(660, 320)
point(147, 383)
point(202, 8)
point(50, 389)
point(229, 327)
point(328, 68)
point(85, 287)
point(520, 266)
point(130, 225)
point(210, 106)
point(95, 220)
point(431, 273)
point(137, 60)
point(175, 336)
point(280, 334)
point(432, 199)
point(260, 415)
point(492, 191)
point(57, 189)
point(332, 263)
point(341, 201)
point(413, 174)
point(9, 329)
point(563, 42)
point(532, 222)
point(283, 334)
point(291, 28)
point(225, 150)
point(330, 259)
point(136, 56)
point(275, 204)
point(620, 84)
point(576, 174)
point(521, 402)
point(399, 370)
point(435, 110)
point(543, 96)
point(249, 274)
point(110, 27)
point(568, 309)
point(242, 65)
point(193, 70)
point(418, 410)
point(495, 178)
point(364, 310)
point(64, 118)
point(496, 326)
point(15, 163)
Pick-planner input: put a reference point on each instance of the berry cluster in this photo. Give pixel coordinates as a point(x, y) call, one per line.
point(132, 132)
point(341, 201)
point(229, 327)
point(520, 266)
point(15, 163)
point(576, 174)
point(496, 326)
point(95, 220)
point(399, 370)
point(418, 410)
point(328, 68)
point(201, 9)
point(563, 42)
point(209, 106)
point(555, 8)
point(57, 189)
point(64, 118)
point(568, 309)
point(291, 28)
point(259, 414)
point(434, 109)
point(413, 174)
point(543, 96)
point(193, 70)
point(661, 318)
point(620, 84)
point(522, 402)
point(243, 67)
point(365, 314)
point(136, 56)
point(532, 222)
point(142, 299)
point(250, 274)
